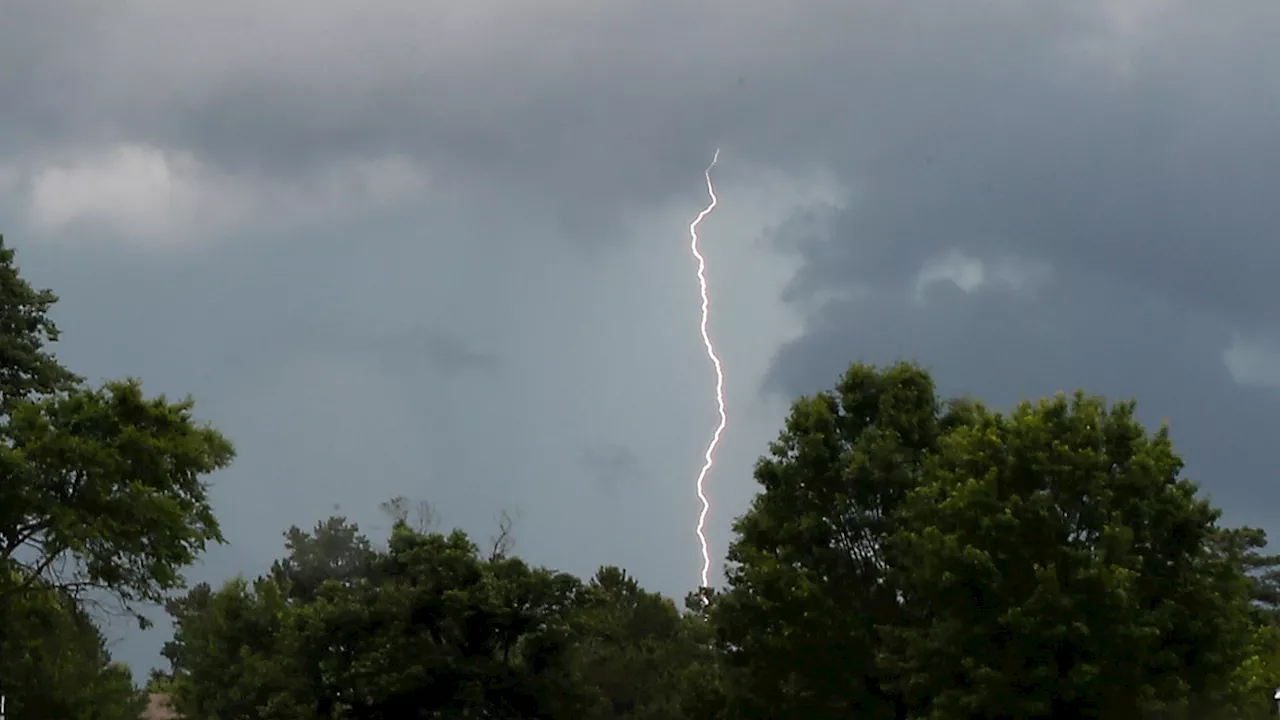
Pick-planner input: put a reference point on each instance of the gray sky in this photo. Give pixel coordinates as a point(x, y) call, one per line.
point(440, 250)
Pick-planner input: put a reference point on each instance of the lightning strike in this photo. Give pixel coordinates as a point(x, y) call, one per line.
point(709, 456)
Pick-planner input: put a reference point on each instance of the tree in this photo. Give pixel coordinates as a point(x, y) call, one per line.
point(427, 627)
point(433, 626)
point(27, 368)
point(54, 662)
point(104, 492)
point(102, 488)
point(334, 551)
point(247, 649)
point(230, 654)
point(808, 574)
point(1258, 676)
point(101, 497)
point(445, 631)
point(914, 558)
point(1262, 569)
point(1054, 564)
point(637, 655)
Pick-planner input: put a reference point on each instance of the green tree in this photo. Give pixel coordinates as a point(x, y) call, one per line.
point(808, 574)
point(1262, 568)
point(448, 631)
point(104, 492)
point(102, 488)
point(706, 684)
point(101, 498)
point(1055, 564)
point(638, 655)
point(427, 627)
point(335, 550)
point(27, 368)
point(54, 662)
point(230, 655)
point(914, 558)
point(1257, 678)
point(250, 649)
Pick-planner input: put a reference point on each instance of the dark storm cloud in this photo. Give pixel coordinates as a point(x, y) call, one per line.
point(1101, 337)
point(1147, 187)
point(589, 112)
point(1131, 137)
point(1139, 186)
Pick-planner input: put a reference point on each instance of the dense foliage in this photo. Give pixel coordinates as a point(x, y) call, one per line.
point(906, 556)
point(427, 627)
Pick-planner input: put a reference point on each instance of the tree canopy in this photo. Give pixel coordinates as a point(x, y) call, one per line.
point(937, 559)
point(427, 627)
point(103, 502)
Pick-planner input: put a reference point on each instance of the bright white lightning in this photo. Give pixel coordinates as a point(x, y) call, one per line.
point(709, 456)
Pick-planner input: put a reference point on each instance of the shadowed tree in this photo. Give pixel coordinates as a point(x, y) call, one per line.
point(103, 488)
point(638, 655)
point(102, 503)
point(914, 558)
point(54, 662)
point(1055, 564)
point(27, 369)
point(335, 550)
point(428, 627)
point(808, 574)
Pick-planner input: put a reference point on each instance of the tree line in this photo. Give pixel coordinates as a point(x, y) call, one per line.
point(907, 556)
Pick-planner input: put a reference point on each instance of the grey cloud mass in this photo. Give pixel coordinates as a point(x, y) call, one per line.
point(440, 249)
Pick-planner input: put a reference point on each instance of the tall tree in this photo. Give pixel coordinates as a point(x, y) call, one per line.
point(102, 488)
point(101, 497)
point(914, 558)
point(809, 570)
point(104, 491)
point(1055, 564)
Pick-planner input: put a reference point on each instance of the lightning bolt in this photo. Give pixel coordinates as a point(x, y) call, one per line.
point(709, 455)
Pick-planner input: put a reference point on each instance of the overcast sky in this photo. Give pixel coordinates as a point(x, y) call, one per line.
point(440, 249)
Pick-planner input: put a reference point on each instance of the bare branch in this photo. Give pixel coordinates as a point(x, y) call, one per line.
point(503, 543)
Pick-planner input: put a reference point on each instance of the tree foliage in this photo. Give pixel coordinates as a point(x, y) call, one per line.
point(102, 498)
point(1054, 564)
point(54, 662)
point(910, 557)
point(104, 491)
point(428, 627)
point(809, 581)
point(637, 655)
point(28, 370)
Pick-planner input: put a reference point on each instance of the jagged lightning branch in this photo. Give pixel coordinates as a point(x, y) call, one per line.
point(709, 456)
